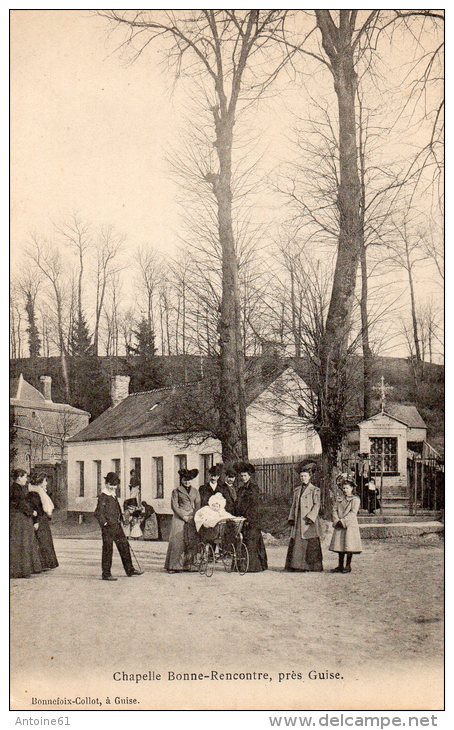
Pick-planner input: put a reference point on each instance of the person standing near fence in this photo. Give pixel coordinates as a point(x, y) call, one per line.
point(228, 489)
point(346, 539)
point(373, 496)
point(304, 551)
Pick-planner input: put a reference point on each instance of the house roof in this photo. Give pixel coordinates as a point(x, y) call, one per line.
point(139, 414)
point(155, 412)
point(408, 414)
point(405, 413)
point(25, 395)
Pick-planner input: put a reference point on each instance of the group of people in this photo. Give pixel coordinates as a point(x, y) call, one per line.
point(139, 517)
point(234, 497)
point(193, 507)
point(188, 504)
point(31, 544)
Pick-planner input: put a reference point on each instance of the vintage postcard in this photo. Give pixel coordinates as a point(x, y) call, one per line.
point(227, 374)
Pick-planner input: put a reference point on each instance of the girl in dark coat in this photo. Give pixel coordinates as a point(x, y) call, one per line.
point(23, 546)
point(43, 506)
point(248, 506)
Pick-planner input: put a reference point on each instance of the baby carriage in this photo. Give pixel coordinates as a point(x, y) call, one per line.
point(220, 544)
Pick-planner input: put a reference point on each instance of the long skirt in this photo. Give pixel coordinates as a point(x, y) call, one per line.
point(253, 540)
point(304, 555)
point(46, 544)
point(183, 537)
point(23, 546)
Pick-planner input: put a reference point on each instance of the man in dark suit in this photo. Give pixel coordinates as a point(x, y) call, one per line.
point(109, 515)
point(212, 486)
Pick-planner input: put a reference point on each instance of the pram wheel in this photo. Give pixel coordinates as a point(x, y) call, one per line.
point(229, 558)
point(206, 566)
point(242, 559)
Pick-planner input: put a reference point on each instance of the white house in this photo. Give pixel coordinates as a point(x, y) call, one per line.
point(138, 433)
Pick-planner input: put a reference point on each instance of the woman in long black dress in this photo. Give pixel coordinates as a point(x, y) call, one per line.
point(23, 546)
point(43, 506)
point(248, 506)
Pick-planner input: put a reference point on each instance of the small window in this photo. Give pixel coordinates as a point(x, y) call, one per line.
point(181, 462)
point(158, 477)
point(383, 456)
point(97, 474)
point(135, 472)
point(81, 467)
point(207, 463)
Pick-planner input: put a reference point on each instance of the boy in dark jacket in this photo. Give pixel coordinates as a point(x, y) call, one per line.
point(109, 515)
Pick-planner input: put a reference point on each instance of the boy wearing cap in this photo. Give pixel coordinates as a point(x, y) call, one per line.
point(109, 515)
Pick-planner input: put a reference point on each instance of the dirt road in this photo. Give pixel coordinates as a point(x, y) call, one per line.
point(378, 626)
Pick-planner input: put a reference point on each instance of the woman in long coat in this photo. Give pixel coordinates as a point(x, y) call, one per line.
point(23, 546)
point(304, 551)
point(43, 506)
point(185, 502)
point(346, 539)
point(248, 506)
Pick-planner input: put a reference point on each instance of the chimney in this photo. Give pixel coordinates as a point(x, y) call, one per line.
point(271, 360)
point(272, 349)
point(119, 388)
point(46, 380)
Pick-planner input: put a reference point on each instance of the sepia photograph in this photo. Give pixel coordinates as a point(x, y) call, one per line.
point(226, 333)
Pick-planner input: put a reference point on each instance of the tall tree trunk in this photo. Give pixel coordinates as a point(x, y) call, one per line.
point(232, 401)
point(414, 318)
point(337, 43)
point(13, 333)
point(61, 338)
point(365, 342)
point(367, 352)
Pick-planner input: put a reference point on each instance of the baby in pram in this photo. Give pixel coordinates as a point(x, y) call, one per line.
point(208, 518)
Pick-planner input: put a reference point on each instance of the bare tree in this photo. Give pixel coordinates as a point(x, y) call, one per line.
point(150, 270)
point(407, 252)
point(48, 260)
point(29, 284)
point(217, 48)
point(108, 248)
point(77, 236)
point(126, 322)
point(15, 314)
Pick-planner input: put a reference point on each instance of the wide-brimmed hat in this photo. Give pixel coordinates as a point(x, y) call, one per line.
point(188, 474)
point(112, 478)
point(245, 466)
point(306, 466)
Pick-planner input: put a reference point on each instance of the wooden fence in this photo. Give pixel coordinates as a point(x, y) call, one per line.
point(277, 478)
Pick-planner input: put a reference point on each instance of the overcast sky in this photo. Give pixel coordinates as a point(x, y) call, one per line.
point(92, 133)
